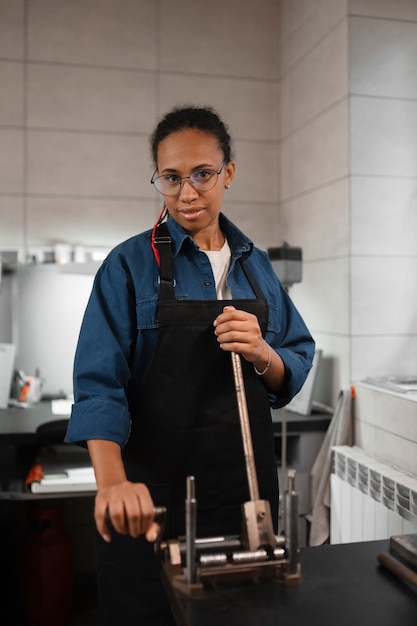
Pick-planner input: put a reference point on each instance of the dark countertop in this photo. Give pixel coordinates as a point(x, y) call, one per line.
point(20, 425)
point(340, 585)
point(296, 423)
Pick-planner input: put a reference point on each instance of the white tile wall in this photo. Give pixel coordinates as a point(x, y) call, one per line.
point(11, 222)
point(305, 24)
point(320, 150)
point(398, 10)
point(383, 299)
point(86, 98)
point(87, 221)
point(260, 220)
point(349, 182)
point(325, 283)
point(11, 19)
point(335, 363)
point(93, 32)
point(320, 79)
point(383, 55)
point(11, 101)
point(384, 216)
point(382, 136)
point(380, 355)
point(88, 164)
point(96, 78)
point(234, 38)
point(255, 180)
point(245, 102)
point(319, 221)
point(11, 160)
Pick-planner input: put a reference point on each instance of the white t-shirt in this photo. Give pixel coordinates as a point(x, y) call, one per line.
point(220, 263)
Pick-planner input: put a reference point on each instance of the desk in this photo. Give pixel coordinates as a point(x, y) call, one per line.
point(340, 585)
point(19, 425)
point(23, 432)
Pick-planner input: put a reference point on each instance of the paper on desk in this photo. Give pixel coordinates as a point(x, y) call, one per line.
point(62, 406)
point(75, 479)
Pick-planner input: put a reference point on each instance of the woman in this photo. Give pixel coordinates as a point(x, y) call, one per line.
point(154, 393)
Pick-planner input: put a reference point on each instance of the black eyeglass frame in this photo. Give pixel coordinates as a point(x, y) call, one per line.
point(182, 178)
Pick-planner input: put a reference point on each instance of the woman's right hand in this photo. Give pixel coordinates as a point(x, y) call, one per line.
point(127, 508)
point(120, 504)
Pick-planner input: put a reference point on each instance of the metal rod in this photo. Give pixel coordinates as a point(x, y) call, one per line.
point(190, 530)
point(291, 523)
point(245, 427)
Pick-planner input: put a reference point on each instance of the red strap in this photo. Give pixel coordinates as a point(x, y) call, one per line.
point(160, 219)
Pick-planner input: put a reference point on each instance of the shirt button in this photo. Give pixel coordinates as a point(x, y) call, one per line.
point(208, 283)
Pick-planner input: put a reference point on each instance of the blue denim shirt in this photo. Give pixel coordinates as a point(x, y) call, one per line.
point(119, 330)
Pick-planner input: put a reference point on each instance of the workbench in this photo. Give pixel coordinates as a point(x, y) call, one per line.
point(341, 585)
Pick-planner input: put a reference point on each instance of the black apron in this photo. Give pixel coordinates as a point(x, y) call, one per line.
point(187, 423)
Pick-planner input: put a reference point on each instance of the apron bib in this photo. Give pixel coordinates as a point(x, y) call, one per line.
point(187, 419)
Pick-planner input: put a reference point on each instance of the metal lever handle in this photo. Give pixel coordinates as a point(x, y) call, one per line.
point(245, 427)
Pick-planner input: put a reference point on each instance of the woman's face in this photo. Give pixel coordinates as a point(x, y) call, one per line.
point(182, 153)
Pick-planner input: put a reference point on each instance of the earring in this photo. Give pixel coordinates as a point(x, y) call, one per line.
point(227, 186)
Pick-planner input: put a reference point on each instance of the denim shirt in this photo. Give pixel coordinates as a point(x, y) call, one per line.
point(119, 329)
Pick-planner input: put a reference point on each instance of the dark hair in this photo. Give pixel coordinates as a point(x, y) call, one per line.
point(200, 118)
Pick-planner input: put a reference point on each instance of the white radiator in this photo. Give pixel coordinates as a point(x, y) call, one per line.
point(369, 499)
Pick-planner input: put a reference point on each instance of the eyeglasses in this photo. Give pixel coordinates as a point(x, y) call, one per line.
point(171, 184)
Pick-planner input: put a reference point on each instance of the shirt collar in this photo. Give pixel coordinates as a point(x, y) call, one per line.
point(239, 243)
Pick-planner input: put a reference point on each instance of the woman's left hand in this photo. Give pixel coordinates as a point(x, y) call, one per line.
point(239, 331)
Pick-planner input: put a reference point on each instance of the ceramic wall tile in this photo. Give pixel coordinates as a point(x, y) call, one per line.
point(306, 24)
point(239, 38)
point(383, 355)
point(91, 98)
point(382, 57)
point(11, 222)
point(320, 150)
point(256, 180)
point(319, 221)
point(88, 164)
point(259, 222)
point(286, 171)
point(325, 294)
point(295, 14)
point(320, 79)
point(93, 32)
point(398, 10)
point(88, 222)
point(11, 101)
point(384, 215)
point(334, 373)
point(247, 106)
point(285, 123)
point(384, 296)
point(11, 29)
point(11, 160)
point(383, 135)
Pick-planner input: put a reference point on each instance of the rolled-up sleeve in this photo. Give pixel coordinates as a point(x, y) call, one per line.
point(102, 360)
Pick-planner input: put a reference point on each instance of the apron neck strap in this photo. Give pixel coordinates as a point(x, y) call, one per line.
point(162, 241)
